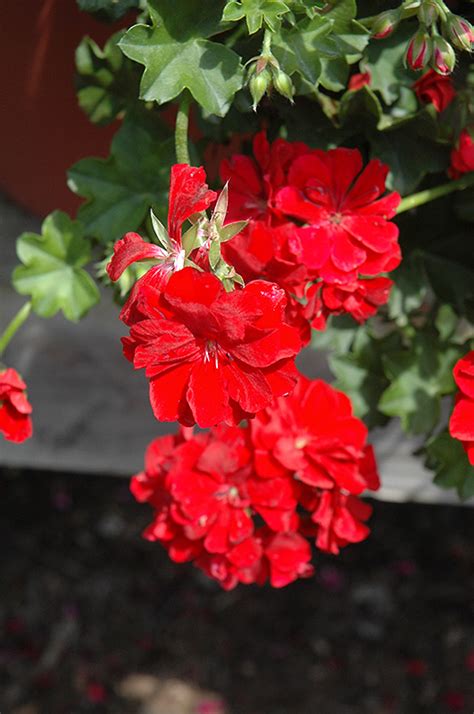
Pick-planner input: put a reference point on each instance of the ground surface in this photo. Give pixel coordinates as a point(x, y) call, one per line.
point(97, 621)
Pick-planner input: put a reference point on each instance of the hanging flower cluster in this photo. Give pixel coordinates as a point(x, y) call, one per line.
point(245, 503)
point(216, 323)
point(461, 423)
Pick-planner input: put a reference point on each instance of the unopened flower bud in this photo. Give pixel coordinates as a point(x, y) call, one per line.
point(444, 57)
point(283, 84)
point(419, 50)
point(385, 23)
point(258, 85)
point(460, 31)
point(428, 12)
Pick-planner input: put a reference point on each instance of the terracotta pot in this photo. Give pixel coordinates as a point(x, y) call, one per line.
point(43, 131)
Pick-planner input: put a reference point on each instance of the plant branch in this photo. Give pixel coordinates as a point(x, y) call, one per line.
point(14, 326)
point(181, 131)
point(431, 194)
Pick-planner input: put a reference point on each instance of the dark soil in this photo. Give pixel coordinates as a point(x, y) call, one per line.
point(387, 627)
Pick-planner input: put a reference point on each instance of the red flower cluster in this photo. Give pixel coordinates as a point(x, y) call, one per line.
point(15, 409)
point(462, 158)
point(436, 89)
point(315, 217)
point(461, 423)
point(244, 503)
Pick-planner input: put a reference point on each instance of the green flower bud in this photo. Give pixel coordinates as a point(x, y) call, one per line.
point(428, 12)
point(460, 32)
point(385, 23)
point(258, 85)
point(283, 84)
point(444, 57)
point(419, 50)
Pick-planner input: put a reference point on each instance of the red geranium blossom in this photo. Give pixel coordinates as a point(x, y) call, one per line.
point(361, 299)
point(313, 434)
point(189, 194)
point(212, 356)
point(272, 253)
point(281, 558)
point(461, 423)
point(200, 490)
point(253, 182)
point(462, 158)
point(15, 409)
point(436, 89)
point(337, 519)
point(349, 232)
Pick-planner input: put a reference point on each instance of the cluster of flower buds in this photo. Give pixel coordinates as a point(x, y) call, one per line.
point(264, 74)
point(433, 43)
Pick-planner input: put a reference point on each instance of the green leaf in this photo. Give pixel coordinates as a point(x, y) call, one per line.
point(121, 189)
point(360, 108)
point(452, 283)
point(296, 49)
point(448, 459)
point(256, 13)
point(363, 386)
point(409, 154)
point(419, 376)
point(177, 56)
point(107, 81)
point(384, 61)
point(409, 290)
point(52, 271)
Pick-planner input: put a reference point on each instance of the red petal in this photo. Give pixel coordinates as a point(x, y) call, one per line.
point(207, 394)
point(130, 249)
point(167, 392)
point(189, 194)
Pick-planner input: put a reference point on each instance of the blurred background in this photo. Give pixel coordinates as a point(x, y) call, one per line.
point(96, 620)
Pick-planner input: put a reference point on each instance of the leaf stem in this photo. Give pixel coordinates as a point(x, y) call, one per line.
point(14, 325)
point(431, 194)
point(181, 130)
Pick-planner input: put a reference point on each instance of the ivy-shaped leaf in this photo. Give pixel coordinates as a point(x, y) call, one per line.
point(177, 55)
point(52, 271)
point(384, 61)
point(419, 376)
point(297, 49)
point(256, 13)
point(107, 81)
point(121, 189)
point(109, 9)
point(448, 459)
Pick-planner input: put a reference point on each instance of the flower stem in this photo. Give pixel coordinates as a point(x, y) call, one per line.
point(15, 324)
point(431, 194)
point(181, 131)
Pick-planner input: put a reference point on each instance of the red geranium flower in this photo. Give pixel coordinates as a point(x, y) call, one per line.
point(212, 356)
point(349, 232)
point(204, 498)
point(338, 519)
point(189, 194)
point(360, 299)
point(15, 409)
point(461, 423)
point(436, 89)
point(462, 158)
point(313, 434)
point(254, 182)
point(272, 253)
